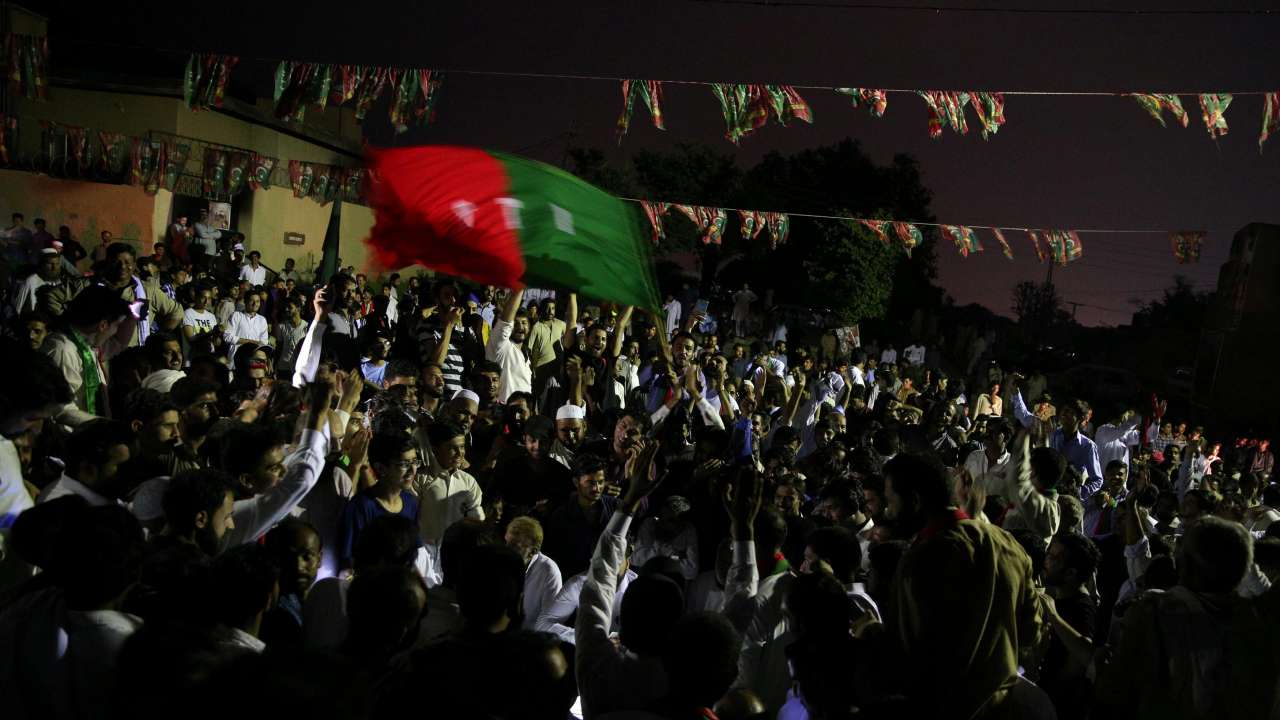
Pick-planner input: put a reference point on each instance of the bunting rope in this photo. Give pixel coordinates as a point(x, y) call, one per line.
point(1055, 245)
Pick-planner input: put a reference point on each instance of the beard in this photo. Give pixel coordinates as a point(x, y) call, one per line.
point(208, 540)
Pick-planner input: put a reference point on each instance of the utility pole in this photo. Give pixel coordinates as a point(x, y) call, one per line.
point(1073, 305)
point(1048, 278)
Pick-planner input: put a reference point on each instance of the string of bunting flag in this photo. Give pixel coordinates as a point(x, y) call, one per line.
point(155, 164)
point(1058, 246)
point(746, 107)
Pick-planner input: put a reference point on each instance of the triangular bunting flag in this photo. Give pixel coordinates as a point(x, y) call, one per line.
point(205, 81)
point(946, 109)
point(1004, 244)
point(1186, 246)
point(778, 225)
point(879, 227)
point(1214, 107)
point(752, 223)
point(654, 211)
point(1270, 117)
point(909, 235)
point(1035, 242)
point(1157, 104)
point(650, 92)
point(965, 239)
point(875, 100)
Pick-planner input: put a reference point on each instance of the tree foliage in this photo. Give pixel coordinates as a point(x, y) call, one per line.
point(827, 263)
point(1038, 306)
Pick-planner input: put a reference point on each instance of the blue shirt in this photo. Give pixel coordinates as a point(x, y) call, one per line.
point(1079, 450)
point(373, 374)
point(359, 512)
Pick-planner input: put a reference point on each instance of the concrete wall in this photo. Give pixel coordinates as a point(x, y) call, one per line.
point(264, 216)
point(87, 208)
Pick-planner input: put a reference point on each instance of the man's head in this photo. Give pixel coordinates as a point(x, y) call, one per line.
point(288, 264)
point(520, 327)
point(571, 424)
point(547, 309)
point(651, 606)
point(197, 402)
point(295, 545)
point(1070, 561)
point(916, 488)
point(393, 457)
point(682, 350)
point(1214, 555)
point(42, 392)
point(1116, 474)
point(106, 237)
point(632, 425)
point(95, 452)
point(254, 457)
point(255, 258)
point(594, 342)
point(165, 350)
point(462, 409)
point(449, 443)
point(588, 477)
point(524, 535)
point(50, 265)
point(18, 219)
point(35, 326)
point(486, 381)
point(1048, 467)
point(197, 506)
point(538, 431)
point(1196, 505)
point(402, 372)
point(342, 292)
point(789, 495)
point(245, 585)
point(491, 589)
point(446, 293)
point(1072, 414)
point(432, 381)
point(121, 263)
point(837, 547)
point(96, 313)
point(154, 419)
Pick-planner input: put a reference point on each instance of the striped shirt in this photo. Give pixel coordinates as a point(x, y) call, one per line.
point(429, 335)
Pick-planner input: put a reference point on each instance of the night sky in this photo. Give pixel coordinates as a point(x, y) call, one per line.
point(1059, 162)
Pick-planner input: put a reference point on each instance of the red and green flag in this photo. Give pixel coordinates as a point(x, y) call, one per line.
point(946, 108)
point(1156, 104)
point(503, 220)
point(990, 110)
point(1270, 117)
point(879, 227)
point(1004, 244)
point(650, 93)
point(1213, 107)
point(877, 101)
point(965, 238)
point(205, 81)
point(909, 235)
point(1186, 246)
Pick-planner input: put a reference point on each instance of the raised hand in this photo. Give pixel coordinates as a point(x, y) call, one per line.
point(742, 499)
point(643, 480)
point(320, 303)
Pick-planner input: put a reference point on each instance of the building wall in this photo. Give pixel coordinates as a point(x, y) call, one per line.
point(264, 216)
point(87, 208)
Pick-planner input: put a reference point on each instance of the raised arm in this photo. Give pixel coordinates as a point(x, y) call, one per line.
point(255, 516)
point(570, 337)
point(620, 334)
point(308, 361)
point(441, 351)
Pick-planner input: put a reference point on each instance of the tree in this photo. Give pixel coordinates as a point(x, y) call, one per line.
point(1038, 306)
point(1179, 308)
point(826, 263)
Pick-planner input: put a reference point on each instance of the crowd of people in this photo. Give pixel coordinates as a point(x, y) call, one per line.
point(225, 489)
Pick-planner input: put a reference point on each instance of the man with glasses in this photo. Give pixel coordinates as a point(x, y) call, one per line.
point(393, 458)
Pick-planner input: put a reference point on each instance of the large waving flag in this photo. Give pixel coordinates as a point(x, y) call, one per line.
point(506, 221)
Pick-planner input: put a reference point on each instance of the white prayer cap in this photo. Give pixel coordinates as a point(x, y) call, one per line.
point(162, 380)
point(571, 412)
point(49, 251)
point(465, 394)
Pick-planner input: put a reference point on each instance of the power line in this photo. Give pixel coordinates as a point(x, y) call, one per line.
point(987, 9)
point(619, 78)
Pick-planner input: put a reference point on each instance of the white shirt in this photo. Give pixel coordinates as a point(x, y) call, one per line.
point(986, 474)
point(66, 485)
point(66, 356)
point(889, 356)
point(1114, 441)
point(393, 309)
point(201, 320)
point(565, 604)
point(14, 500)
point(255, 276)
point(254, 516)
point(445, 498)
point(915, 354)
point(26, 298)
point(517, 370)
point(542, 584)
point(246, 327)
point(239, 639)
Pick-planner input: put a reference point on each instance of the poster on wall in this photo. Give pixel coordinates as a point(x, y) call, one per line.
point(220, 215)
